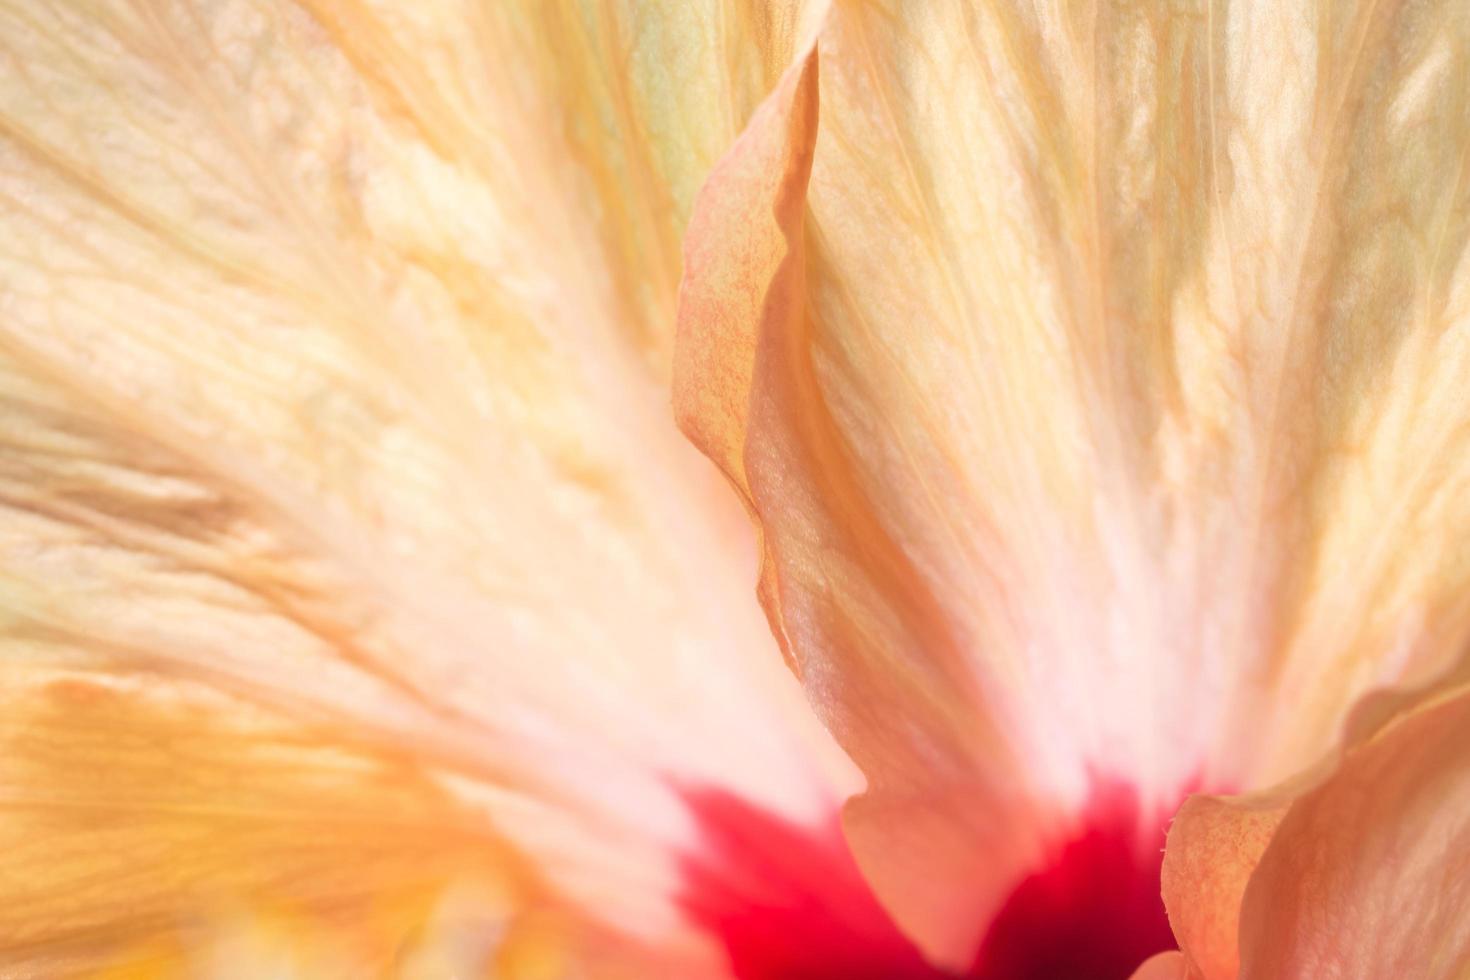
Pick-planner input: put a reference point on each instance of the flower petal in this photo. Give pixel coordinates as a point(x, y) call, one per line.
point(1213, 848)
point(1099, 422)
point(1355, 871)
point(1368, 875)
point(1164, 966)
point(745, 393)
point(135, 805)
point(333, 360)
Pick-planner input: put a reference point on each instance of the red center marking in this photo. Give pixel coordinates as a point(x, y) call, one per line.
point(790, 904)
point(1093, 912)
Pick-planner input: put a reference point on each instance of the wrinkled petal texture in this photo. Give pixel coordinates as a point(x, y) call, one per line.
point(1369, 875)
point(1094, 373)
point(1214, 845)
point(1359, 872)
point(349, 559)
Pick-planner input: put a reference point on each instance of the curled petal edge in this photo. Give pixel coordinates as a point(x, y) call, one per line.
point(1230, 860)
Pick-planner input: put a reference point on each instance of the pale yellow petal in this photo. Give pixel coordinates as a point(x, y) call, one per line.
point(333, 357)
point(139, 811)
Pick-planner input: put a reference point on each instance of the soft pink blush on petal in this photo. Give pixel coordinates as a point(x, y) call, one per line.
point(1099, 427)
point(1086, 902)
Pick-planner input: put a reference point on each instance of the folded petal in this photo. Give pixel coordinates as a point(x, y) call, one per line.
point(1368, 875)
point(1358, 870)
point(347, 550)
point(745, 392)
point(1213, 848)
point(1091, 373)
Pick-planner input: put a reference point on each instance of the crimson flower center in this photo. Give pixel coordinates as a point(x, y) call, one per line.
point(1093, 910)
point(790, 904)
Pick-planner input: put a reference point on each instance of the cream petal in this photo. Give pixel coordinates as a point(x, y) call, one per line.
point(743, 391)
point(333, 356)
point(1096, 395)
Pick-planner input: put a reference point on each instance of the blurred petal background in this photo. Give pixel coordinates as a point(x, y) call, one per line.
point(1092, 373)
point(351, 563)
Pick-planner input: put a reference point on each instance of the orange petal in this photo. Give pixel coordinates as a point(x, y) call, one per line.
point(1214, 845)
point(1354, 870)
point(1164, 966)
point(1368, 875)
point(132, 804)
point(335, 431)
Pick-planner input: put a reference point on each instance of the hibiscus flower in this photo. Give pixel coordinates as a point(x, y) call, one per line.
point(1091, 376)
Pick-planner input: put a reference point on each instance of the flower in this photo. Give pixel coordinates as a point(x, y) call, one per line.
point(1090, 376)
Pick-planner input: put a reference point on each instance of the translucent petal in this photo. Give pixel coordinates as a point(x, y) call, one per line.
point(1353, 870)
point(347, 549)
point(1096, 391)
point(1368, 874)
